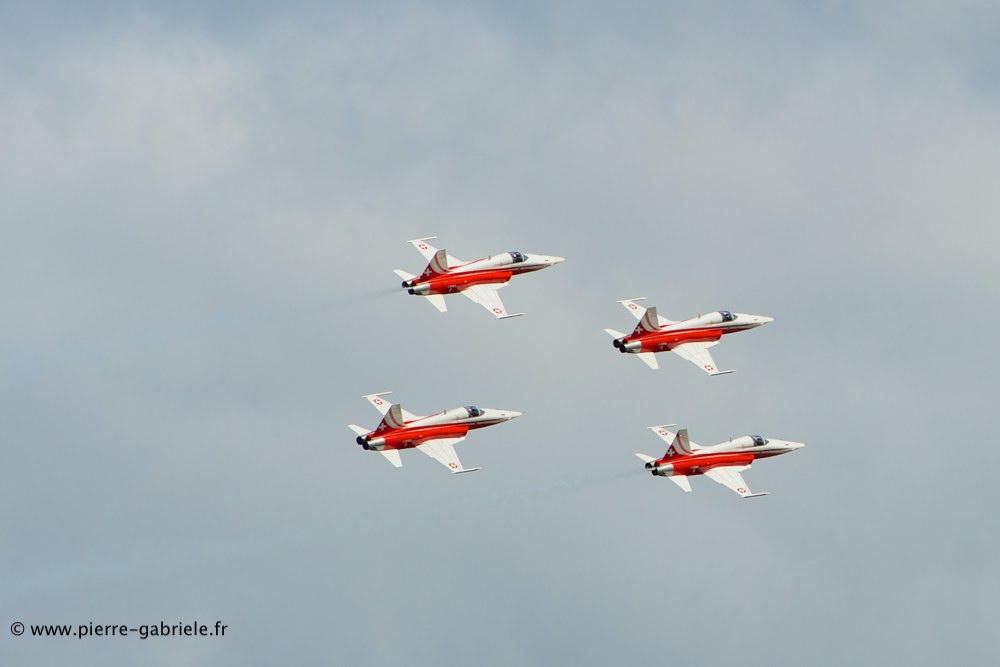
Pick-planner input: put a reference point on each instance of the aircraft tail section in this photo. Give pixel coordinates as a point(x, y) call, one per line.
point(681, 444)
point(438, 265)
point(649, 323)
point(393, 419)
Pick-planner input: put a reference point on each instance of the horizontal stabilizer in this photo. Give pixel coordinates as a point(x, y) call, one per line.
point(358, 430)
point(645, 457)
point(681, 481)
point(437, 301)
point(393, 457)
point(403, 274)
point(649, 359)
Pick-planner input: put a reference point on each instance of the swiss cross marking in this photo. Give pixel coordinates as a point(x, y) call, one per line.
point(422, 246)
point(709, 367)
point(378, 401)
point(497, 310)
point(452, 465)
point(632, 306)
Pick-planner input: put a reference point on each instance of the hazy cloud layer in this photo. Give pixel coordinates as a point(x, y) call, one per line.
point(201, 210)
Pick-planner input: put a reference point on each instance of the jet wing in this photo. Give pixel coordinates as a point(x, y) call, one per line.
point(697, 354)
point(383, 405)
point(487, 297)
point(730, 476)
point(428, 251)
point(443, 451)
point(665, 435)
point(634, 308)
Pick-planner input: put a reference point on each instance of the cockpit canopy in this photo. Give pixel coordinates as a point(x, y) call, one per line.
point(727, 316)
point(473, 411)
point(517, 256)
point(758, 441)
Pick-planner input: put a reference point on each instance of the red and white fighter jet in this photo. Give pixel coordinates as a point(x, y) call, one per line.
point(723, 462)
point(434, 435)
point(689, 338)
point(478, 280)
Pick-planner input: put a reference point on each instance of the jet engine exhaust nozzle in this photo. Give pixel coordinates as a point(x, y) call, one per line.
point(617, 343)
point(665, 470)
point(631, 346)
point(419, 288)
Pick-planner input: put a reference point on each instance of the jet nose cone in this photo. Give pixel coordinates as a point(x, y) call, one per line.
point(510, 414)
point(764, 319)
point(556, 260)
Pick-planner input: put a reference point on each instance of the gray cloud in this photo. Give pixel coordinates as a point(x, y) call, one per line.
point(201, 214)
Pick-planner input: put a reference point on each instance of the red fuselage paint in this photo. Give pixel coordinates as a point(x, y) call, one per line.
point(449, 283)
point(663, 340)
point(405, 438)
point(697, 464)
point(412, 436)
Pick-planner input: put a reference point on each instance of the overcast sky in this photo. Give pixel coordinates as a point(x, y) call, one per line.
point(201, 209)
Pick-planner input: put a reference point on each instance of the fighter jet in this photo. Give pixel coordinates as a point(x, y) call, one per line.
point(434, 435)
point(723, 462)
point(689, 338)
point(478, 280)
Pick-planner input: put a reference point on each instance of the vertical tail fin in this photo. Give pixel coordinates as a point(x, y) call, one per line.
point(393, 419)
point(438, 265)
point(650, 322)
point(681, 443)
